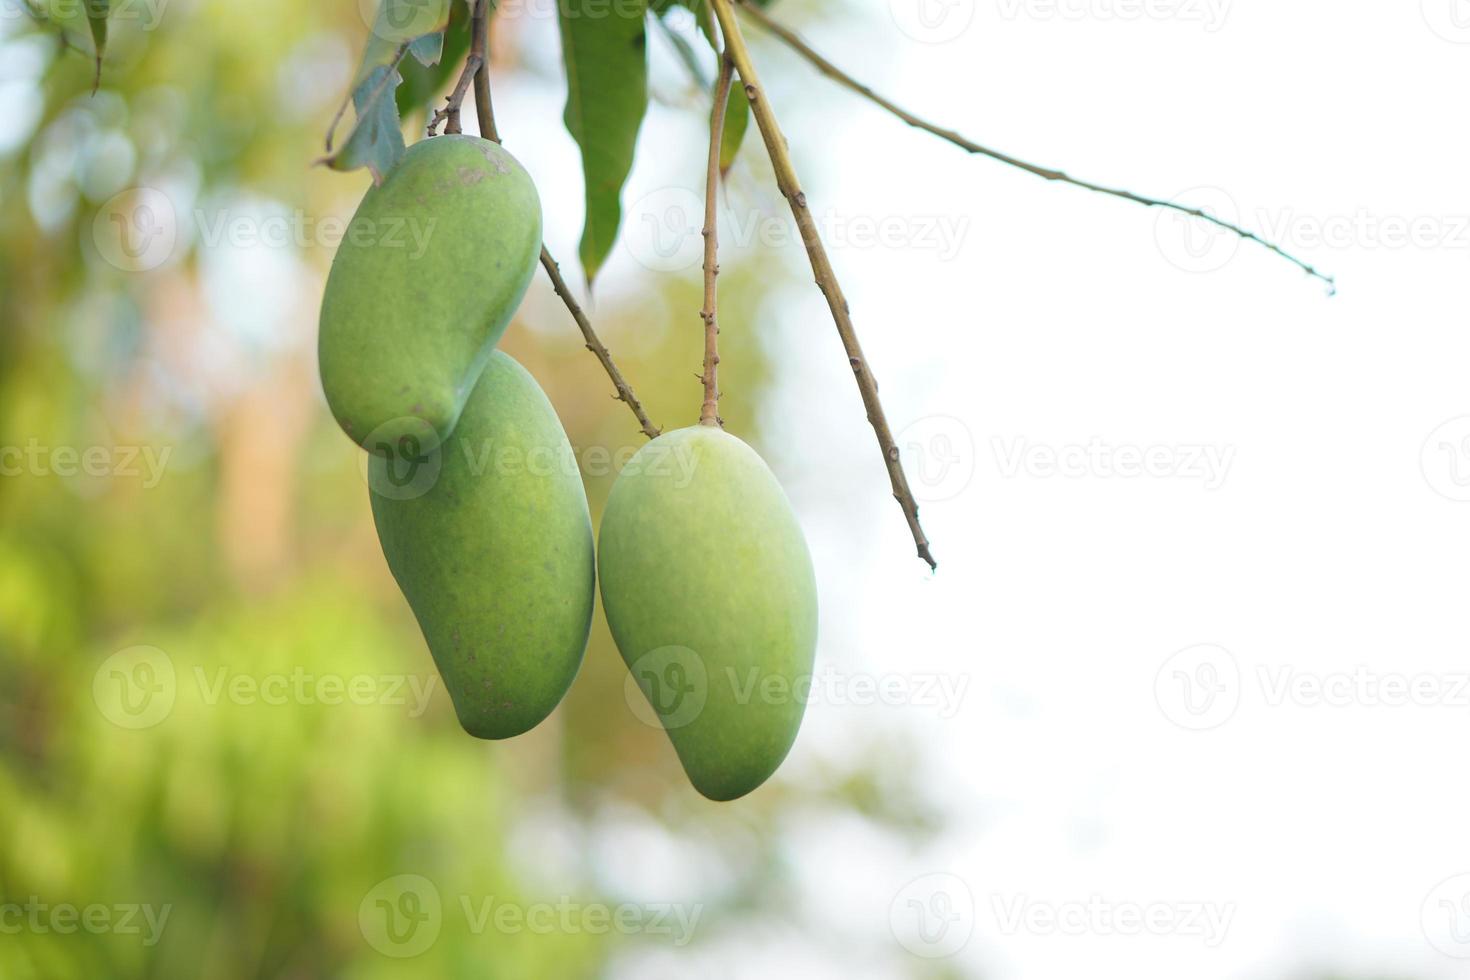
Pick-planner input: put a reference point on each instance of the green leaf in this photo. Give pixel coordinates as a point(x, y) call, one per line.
point(737, 120)
point(403, 23)
point(376, 141)
point(604, 46)
point(422, 83)
point(97, 20)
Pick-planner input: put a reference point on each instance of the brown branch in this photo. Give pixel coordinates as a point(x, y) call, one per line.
point(709, 412)
point(625, 391)
point(795, 43)
point(480, 48)
point(790, 186)
point(449, 115)
point(485, 116)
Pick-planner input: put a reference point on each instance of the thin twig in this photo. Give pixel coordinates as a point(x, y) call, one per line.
point(790, 186)
point(485, 116)
point(795, 43)
point(709, 412)
point(625, 391)
point(449, 115)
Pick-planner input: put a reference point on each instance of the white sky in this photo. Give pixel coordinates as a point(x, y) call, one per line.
point(1317, 833)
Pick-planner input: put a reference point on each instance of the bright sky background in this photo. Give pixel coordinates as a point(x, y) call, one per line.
point(1325, 543)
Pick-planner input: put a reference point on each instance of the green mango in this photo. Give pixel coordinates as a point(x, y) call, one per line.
point(489, 537)
point(708, 589)
point(427, 276)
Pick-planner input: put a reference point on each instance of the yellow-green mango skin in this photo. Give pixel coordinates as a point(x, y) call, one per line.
point(426, 278)
point(495, 557)
point(700, 552)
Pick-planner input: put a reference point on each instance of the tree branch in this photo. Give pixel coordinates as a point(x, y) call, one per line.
point(625, 391)
point(485, 116)
point(480, 47)
point(790, 187)
point(709, 412)
point(449, 115)
point(792, 40)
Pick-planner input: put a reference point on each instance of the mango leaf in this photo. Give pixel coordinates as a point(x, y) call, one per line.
point(400, 23)
point(82, 25)
point(421, 82)
point(376, 141)
point(97, 20)
point(604, 47)
point(737, 120)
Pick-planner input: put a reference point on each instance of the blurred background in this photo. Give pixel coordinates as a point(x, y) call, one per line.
point(1185, 697)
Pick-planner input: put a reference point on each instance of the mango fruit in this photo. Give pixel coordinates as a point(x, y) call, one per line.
point(428, 273)
point(708, 589)
point(489, 537)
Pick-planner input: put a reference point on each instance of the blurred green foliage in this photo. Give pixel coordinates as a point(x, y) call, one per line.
point(218, 551)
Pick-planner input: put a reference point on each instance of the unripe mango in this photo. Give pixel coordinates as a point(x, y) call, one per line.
point(489, 537)
point(708, 588)
point(428, 274)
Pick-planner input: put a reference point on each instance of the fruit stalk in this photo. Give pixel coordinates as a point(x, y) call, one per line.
point(709, 412)
point(790, 186)
point(485, 116)
point(480, 52)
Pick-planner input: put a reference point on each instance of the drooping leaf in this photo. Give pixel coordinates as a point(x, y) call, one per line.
point(82, 25)
point(737, 120)
point(605, 48)
point(400, 23)
point(97, 11)
point(427, 49)
point(376, 140)
point(421, 83)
